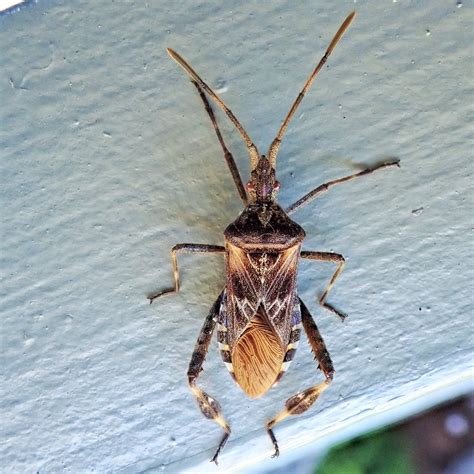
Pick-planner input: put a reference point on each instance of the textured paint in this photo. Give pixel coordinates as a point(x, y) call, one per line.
point(108, 159)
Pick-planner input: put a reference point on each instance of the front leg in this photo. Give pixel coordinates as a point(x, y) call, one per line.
point(300, 402)
point(209, 406)
point(185, 248)
point(328, 257)
point(324, 187)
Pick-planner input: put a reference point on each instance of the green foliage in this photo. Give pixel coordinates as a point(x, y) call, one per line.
point(381, 452)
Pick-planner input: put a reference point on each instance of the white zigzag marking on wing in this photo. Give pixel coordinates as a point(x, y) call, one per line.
point(278, 305)
point(285, 267)
point(245, 307)
point(244, 273)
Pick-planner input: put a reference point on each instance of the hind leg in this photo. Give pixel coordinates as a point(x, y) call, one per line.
point(300, 402)
point(208, 405)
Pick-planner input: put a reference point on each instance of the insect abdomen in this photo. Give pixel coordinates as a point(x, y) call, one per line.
point(290, 351)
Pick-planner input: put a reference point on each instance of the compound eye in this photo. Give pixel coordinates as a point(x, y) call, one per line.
point(276, 186)
point(250, 186)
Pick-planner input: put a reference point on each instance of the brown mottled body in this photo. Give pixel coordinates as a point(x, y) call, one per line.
point(262, 251)
point(259, 315)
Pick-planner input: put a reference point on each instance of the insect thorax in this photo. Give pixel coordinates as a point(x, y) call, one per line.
point(264, 228)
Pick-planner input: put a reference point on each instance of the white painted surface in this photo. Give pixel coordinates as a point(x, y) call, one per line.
point(6, 4)
point(108, 160)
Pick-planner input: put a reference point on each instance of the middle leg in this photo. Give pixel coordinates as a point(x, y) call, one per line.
point(328, 257)
point(184, 248)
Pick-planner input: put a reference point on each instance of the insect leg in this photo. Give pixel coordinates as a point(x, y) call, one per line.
point(227, 154)
point(209, 406)
point(300, 402)
point(324, 187)
point(328, 257)
point(184, 248)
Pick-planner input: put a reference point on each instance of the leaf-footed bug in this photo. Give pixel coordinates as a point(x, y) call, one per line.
point(259, 314)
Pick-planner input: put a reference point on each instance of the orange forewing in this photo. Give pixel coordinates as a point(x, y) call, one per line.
point(257, 357)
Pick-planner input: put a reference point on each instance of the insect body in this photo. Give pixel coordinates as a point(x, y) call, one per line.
point(259, 315)
point(261, 312)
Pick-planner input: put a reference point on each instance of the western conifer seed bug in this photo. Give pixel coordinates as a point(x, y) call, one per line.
point(259, 314)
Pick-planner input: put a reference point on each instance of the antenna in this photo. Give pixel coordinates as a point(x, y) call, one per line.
point(252, 149)
point(274, 147)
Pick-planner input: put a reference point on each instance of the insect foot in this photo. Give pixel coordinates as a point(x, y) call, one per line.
point(296, 405)
point(211, 409)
